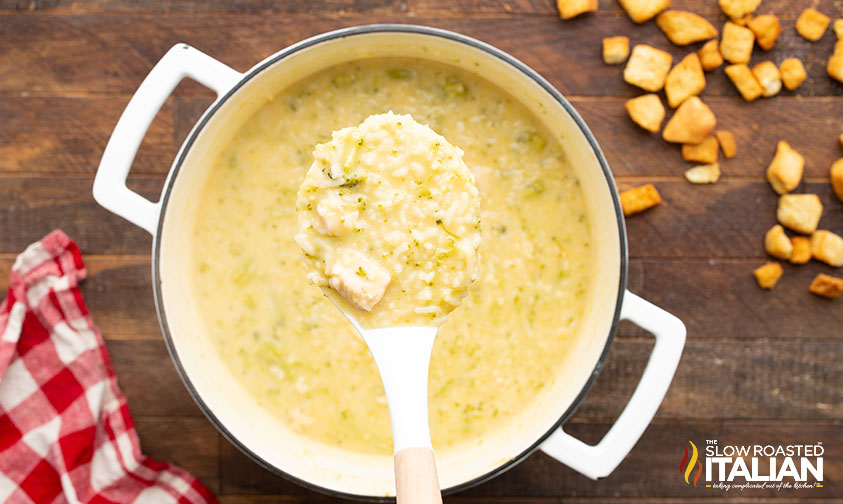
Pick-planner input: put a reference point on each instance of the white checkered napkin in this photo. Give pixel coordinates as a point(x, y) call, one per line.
point(66, 435)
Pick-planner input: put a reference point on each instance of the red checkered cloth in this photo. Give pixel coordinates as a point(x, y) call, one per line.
point(66, 435)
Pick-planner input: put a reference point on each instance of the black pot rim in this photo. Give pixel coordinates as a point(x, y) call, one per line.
point(364, 30)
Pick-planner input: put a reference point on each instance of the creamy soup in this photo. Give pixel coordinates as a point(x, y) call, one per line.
point(297, 354)
point(389, 219)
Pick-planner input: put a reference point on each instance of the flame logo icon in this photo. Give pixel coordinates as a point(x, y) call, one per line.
point(687, 469)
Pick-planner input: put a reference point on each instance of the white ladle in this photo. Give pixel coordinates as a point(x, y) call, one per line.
point(402, 355)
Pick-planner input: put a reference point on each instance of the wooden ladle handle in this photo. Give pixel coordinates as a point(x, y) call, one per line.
point(416, 481)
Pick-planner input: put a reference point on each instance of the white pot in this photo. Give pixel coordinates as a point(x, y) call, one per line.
point(233, 411)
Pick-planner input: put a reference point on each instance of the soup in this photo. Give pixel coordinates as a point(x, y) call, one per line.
point(298, 355)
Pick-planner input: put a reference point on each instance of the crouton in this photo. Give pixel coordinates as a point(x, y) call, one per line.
point(736, 43)
point(768, 275)
point(826, 286)
point(838, 28)
point(811, 24)
point(684, 80)
point(785, 171)
point(835, 62)
point(692, 122)
point(767, 29)
point(727, 143)
point(703, 174)
point(683, 28)
point(643, 10)
point(742, 21)
point(573, 8)
point(836, 177)
point(801, 250)
point(800, 212)
point(768, 75)
point(827, 247)
point(363, 291)
point(639, 199)
point(615, 50)
point(647, 67)
point(793, 73)
point(646, 111)
point(745, 81)
point(737, 9)
point(710, 56)
point(777, 244)
point(703, 152)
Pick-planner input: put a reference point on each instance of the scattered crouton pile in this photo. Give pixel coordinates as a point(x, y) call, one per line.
point(801, 213)
point(654, 70)
point(693, 123)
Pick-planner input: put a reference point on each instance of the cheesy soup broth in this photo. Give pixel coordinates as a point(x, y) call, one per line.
point(296, 353)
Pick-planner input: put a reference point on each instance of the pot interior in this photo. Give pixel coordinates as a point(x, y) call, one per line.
point(222, 396)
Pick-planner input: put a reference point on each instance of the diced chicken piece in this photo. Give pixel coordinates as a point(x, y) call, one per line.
point(334, 218)
point(358, 279)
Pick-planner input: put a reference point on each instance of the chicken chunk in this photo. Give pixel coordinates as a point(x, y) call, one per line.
point(334, 219)
point(358, 279)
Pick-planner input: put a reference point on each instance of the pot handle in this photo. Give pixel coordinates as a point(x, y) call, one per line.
point(600, 460)
point(110, 189)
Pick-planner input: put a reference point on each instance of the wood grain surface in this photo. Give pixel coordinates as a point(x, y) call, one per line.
point(758, 366)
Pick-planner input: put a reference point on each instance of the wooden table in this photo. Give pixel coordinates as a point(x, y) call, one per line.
point(759, 367)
